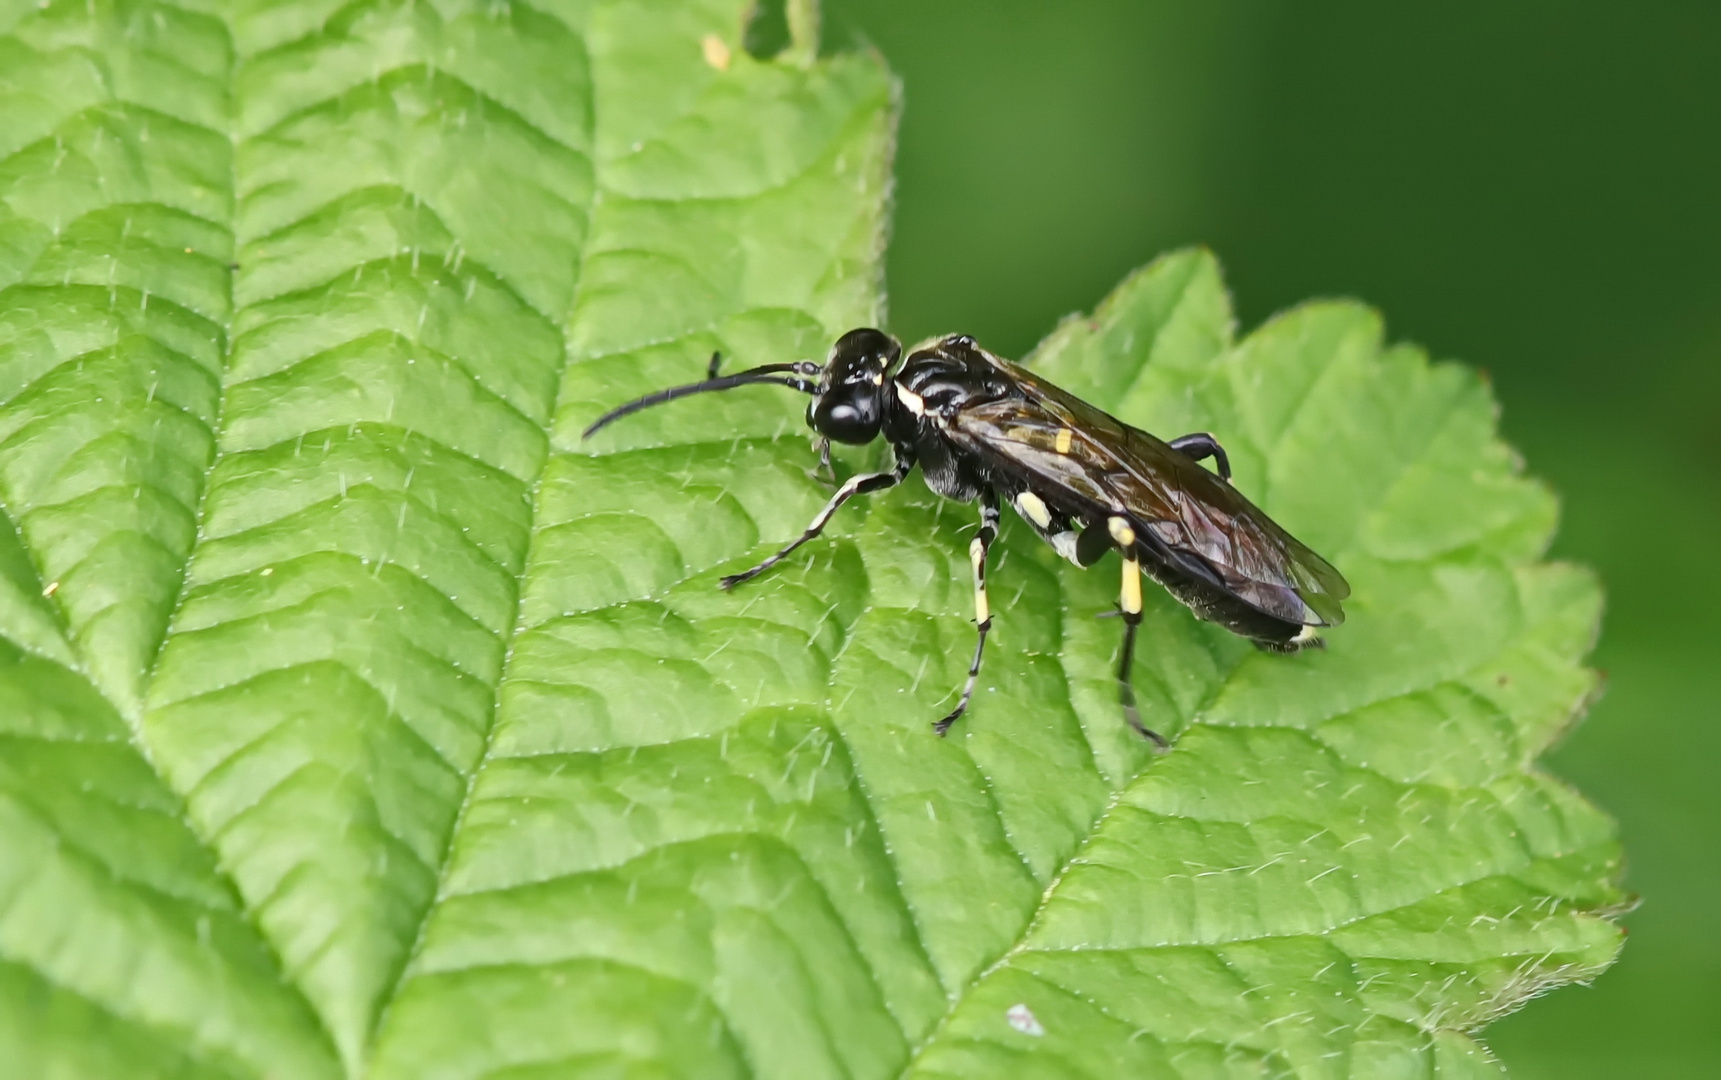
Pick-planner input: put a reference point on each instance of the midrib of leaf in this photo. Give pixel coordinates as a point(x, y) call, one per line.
point(131, 709)
point(579, 334)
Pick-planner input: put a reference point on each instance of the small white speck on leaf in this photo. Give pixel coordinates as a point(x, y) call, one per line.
point(50, 588)
point(1022, 1019)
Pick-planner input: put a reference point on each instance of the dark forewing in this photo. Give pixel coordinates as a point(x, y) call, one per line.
point(1185, 509)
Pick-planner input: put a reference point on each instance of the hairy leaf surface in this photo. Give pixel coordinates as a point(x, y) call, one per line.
point(357, 719)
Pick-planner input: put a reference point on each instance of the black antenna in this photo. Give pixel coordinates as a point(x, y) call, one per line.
point(764, 374)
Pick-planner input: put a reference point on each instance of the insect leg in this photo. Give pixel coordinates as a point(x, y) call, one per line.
point(1201, 446)
point(1129, 600)
point(829, 471)
point(977, 549)
point(858, 484)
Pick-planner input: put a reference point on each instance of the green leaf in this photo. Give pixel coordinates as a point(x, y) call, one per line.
point(356, 718)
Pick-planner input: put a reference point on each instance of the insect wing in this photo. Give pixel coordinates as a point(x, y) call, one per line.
point(1065, 443)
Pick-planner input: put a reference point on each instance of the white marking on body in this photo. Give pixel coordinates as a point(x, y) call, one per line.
point(1034, 509)
point(911, 399)
point(1065, 438)
point(1306, 635)
point(1064, 544)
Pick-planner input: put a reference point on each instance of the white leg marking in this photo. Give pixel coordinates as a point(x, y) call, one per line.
point(1034, 509)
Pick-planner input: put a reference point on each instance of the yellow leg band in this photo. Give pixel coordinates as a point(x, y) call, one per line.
point(1131, 587)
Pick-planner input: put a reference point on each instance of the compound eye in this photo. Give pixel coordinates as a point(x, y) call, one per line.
point(847, 418)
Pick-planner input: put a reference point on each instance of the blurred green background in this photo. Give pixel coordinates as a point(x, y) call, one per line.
point(1531, 188)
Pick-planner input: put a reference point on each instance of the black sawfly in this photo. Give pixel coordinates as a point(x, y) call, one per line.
point(983, 428)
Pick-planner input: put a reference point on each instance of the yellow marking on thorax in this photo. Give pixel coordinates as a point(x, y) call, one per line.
point(1065, 438)
point(911, 399)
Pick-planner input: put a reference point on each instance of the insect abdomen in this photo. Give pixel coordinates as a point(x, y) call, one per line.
point(1214, 604)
